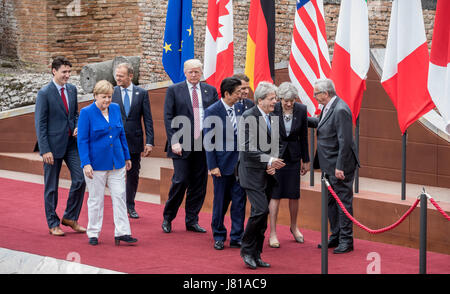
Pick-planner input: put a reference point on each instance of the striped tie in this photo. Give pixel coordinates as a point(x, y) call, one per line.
point(196, 109)
point(232, 118)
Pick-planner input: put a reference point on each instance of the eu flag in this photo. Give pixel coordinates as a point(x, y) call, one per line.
point(178, 38)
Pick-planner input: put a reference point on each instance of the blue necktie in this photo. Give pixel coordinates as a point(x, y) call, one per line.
point(268, 122)
point(232, 118)
point(126, 102)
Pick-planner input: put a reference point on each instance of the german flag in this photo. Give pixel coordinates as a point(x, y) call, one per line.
point(259, 64)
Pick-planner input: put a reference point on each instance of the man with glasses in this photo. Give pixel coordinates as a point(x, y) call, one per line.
point(336, 157)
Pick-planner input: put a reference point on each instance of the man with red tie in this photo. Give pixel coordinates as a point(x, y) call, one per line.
point(184, 108)
point(56, 118)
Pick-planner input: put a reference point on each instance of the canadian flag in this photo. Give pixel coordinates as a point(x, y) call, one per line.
point(405, 70)
point(351, 58)
point(439, 71)
point(218, 59)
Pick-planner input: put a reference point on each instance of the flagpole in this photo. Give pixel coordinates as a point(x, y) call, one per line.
point(311, 156)
point(404, 166)
point(357, 154)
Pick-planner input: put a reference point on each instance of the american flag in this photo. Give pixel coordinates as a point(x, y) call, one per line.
point(309, 59)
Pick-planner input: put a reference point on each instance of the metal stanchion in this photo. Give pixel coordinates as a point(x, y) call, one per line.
point(357, 154)
point(311, 157)
point(423, 234)
point(404, 166)
point(324, 228)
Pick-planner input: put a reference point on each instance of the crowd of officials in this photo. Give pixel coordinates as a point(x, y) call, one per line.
point(254, 150)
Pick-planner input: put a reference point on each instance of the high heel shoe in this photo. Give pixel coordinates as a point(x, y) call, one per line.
point(274, 243)
point(125, 238)
point(298, 239)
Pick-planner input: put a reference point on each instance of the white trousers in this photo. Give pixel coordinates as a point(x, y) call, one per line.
point(115, 179)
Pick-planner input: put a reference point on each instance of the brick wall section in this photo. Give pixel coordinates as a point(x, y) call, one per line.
point(8, 29)
point(109, 28)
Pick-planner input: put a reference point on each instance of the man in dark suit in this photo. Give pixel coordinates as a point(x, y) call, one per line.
point(245, 90)
point(135, 106)
point(258, 162)
point(336, 157)
point(183, 118)
point(56, 118)
point(221, 121)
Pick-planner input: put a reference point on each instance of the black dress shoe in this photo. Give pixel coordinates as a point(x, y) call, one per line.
point(261, 263)
point(343, 248)
point(166, 226)
point(132, 213)
point(195, 228)
point(249, 261)
point(93, 241)
point(235, 244)
point(331, 244)
point(125, 238)
point(218, 245)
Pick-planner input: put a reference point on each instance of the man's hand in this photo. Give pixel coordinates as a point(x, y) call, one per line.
point(88, 171)
point(147, 150)
point(176, 148)
point(48, 158)
point(270, 171)
point(339, 174)
point(277, 163)
point(75, 132)
point(216, 172)
point(128, 164)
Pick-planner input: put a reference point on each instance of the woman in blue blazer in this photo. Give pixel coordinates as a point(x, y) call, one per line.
point(104, 158)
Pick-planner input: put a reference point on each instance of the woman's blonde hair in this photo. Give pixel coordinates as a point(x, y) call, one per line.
point(103, 87)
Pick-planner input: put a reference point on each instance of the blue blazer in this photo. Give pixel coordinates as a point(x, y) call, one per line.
point(102, 144)
point(222, 153)
point(52, 122)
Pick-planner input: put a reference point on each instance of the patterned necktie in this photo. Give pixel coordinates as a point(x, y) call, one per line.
point(232, 118)
point(64, 99)
point(126, 102)
point(196, 109)
point(268, 122)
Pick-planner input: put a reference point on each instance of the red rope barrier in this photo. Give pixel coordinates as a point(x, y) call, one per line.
point(439, 208)
point(364, 227)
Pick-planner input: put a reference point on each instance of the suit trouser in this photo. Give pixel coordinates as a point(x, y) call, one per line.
point(253, 238)
point(115, 179)
point(226, 190)
point(133, 179)
point(341, 226)
point(190, 176)
point(51, 184)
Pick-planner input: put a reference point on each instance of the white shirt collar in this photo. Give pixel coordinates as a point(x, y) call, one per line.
point(327, 107)
point(226, 105)
point(262, 112)
point(129, 88)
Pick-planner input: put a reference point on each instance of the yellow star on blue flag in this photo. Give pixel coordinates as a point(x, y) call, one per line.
point(178, 38)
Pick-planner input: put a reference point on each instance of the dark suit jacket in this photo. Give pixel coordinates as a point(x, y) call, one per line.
point(223, 152)
point(335, 146)
point(254, 154)
point(247, 103)
point(178, 104)
point(52, 122)
point(294, 146)
point(139, 109)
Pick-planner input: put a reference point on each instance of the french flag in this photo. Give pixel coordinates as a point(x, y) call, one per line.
point(219, 47)
point(439, 71)
point(405, 70)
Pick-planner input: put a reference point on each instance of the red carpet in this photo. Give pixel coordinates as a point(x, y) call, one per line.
point(23, 227)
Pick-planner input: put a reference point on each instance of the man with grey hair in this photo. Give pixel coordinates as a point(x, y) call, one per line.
point(135, 105)
point(337, 159)
point(187, 100)
point(256, 169)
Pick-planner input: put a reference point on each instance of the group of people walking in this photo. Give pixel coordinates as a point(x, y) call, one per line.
point(255, 150)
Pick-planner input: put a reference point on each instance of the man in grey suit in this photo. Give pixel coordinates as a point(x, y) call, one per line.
point(337, 159)
point(56, 118)
point(258, 162)
point(135, 106)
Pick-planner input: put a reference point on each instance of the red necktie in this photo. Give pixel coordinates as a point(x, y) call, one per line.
point(63, 96)
point(196, 109)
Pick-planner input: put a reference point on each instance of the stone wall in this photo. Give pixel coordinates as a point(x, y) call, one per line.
point(93, 31)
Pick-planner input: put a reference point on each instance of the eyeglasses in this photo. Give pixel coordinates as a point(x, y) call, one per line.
point(317, 93)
